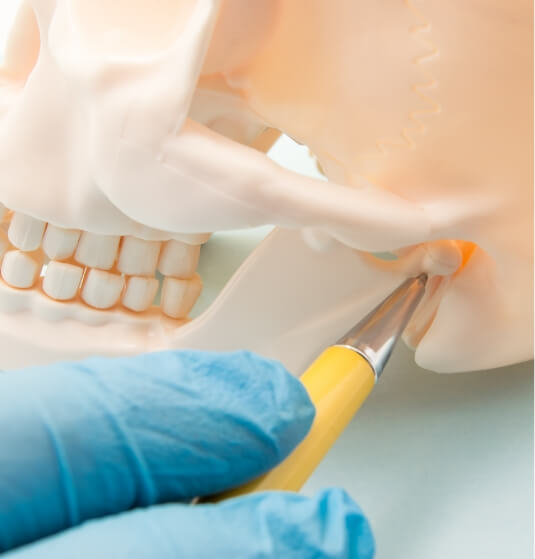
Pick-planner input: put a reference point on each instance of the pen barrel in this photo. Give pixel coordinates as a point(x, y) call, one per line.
point(338, 382)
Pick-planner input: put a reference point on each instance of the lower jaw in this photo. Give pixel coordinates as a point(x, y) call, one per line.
point(36, 330)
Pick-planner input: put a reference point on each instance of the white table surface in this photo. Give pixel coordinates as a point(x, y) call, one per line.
point(442, 465)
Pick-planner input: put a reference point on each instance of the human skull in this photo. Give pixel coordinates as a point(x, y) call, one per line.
point(144, 128)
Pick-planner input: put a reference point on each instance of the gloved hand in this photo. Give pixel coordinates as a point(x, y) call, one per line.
point(90, 451)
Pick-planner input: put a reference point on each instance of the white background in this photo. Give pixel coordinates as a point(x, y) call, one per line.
point(442, 465)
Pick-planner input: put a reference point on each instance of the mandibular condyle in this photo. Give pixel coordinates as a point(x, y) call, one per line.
point(119, 150)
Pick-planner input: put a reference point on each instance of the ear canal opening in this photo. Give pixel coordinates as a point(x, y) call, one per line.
point(22, 47)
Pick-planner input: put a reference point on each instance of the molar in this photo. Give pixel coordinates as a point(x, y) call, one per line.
point(59, 243)
point(139, 293)
point(102, 289)
point(179, 259)
point(179, 295)
point(97, 251)
point(138, 257)
point(20, 269)
point(62, 280)
point(25, 232)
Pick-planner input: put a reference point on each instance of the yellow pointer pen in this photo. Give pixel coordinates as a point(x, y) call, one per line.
point(338, 382)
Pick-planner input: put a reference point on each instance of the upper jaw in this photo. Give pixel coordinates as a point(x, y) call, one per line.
point(82, 148)
point(196, 181)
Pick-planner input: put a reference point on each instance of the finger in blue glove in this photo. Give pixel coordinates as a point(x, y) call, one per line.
point(95, 438)
point(260, 526)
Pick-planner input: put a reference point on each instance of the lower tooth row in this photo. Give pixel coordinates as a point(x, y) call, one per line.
point(100, 289)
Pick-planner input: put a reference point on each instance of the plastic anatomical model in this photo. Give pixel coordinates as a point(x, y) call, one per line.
point(128, 134)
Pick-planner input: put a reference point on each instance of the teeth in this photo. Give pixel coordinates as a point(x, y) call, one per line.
point(25, 232)
point(102, 289)
point(138, 257)
point(59, 243)
point(176, 259)
point(179, 259)
point(140, 293)
point(97, 251)
point(61, 280)
point(19, 269)
point(179, 296)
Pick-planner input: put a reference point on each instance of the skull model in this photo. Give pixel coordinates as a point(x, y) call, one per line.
point(130, 130)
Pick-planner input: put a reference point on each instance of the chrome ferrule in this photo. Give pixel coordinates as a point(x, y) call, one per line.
point(376, 335)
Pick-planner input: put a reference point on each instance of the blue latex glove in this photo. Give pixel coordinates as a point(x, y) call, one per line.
point(89, 451)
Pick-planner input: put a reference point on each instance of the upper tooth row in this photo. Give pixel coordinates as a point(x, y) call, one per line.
point(136, 256)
